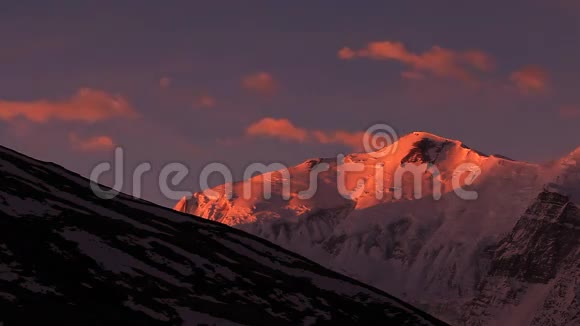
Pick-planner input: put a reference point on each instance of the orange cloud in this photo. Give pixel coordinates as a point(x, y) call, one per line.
point(437, 60)
point(261, 82)
point(87, 105)
point(531, 79)
point(91, 144)
point(286, 130)
point(351, 139)
point(277, 128)
point(570, 112)
point(346, 53)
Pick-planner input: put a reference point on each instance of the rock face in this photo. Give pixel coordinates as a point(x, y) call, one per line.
point(534, 274)
point(67, 255)
point(434, 253)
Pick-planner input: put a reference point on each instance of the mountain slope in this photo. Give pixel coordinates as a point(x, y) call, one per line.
point(67, 255)
point(534, 275)
point(432, 252)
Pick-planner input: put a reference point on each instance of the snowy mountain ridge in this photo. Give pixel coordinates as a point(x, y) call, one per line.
point(434, 253)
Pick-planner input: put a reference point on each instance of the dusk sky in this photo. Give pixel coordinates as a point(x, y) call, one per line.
point(283, 81)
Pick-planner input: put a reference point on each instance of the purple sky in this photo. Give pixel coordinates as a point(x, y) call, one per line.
point(185, 81)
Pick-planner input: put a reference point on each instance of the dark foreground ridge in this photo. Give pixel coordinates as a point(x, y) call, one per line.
point(66, 254)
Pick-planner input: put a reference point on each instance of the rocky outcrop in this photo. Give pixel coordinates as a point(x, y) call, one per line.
point(534, 274)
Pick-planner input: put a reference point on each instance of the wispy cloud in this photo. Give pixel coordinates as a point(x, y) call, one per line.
point(261, 82)
point(353, 140)
point(284, 129)
point(531, 79)
point(90, 144)
point(87, 105)
point(277, 128)
point(438, 61)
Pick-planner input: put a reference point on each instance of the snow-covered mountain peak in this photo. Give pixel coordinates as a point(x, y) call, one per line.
point(425, 134)
point(371, 180)
point(425, 147)
point(436, 249)
point(417, 147)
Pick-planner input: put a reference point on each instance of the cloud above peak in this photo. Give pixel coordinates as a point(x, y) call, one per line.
point(284, 129)
point(277, 128)
point(90, 144)
point(438, 61)
point(86, 105)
